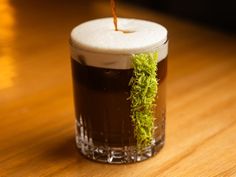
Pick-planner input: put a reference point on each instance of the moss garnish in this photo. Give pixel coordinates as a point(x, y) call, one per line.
point(144, 87)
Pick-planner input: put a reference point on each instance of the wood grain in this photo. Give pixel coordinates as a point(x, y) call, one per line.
point(36, 105)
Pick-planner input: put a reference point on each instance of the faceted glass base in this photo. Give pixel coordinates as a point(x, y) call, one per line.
point(117, 155)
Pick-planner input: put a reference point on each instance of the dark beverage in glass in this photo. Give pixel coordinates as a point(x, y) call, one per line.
point(101, 76)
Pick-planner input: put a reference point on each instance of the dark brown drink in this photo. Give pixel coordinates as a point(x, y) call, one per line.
point(103, 108)
point(120, 113)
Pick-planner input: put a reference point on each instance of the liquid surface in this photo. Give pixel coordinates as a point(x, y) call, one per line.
point(99, 36)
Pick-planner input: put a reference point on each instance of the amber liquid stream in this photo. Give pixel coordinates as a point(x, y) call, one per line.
point(113, 10)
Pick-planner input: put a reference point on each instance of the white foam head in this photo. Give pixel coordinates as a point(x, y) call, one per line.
point(98, 42)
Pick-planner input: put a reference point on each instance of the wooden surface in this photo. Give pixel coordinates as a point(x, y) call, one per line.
point(36, 105)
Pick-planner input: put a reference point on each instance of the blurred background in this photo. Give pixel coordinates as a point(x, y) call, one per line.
point(217, 14)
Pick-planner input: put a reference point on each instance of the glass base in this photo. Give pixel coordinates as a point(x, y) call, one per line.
point(117, 155)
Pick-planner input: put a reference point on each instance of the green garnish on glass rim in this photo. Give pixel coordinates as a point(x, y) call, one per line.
point(144, 88)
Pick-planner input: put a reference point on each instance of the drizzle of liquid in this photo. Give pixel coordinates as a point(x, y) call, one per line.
point(113, 10)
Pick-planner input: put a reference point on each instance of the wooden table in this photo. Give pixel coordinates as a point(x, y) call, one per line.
point(36, 105)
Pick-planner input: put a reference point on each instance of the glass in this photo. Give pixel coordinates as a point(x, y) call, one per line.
point(104, 130)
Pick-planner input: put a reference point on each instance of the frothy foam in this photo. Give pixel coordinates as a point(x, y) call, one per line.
point(100, 44)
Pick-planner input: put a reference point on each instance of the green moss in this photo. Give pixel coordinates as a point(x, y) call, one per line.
point(144, 87)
